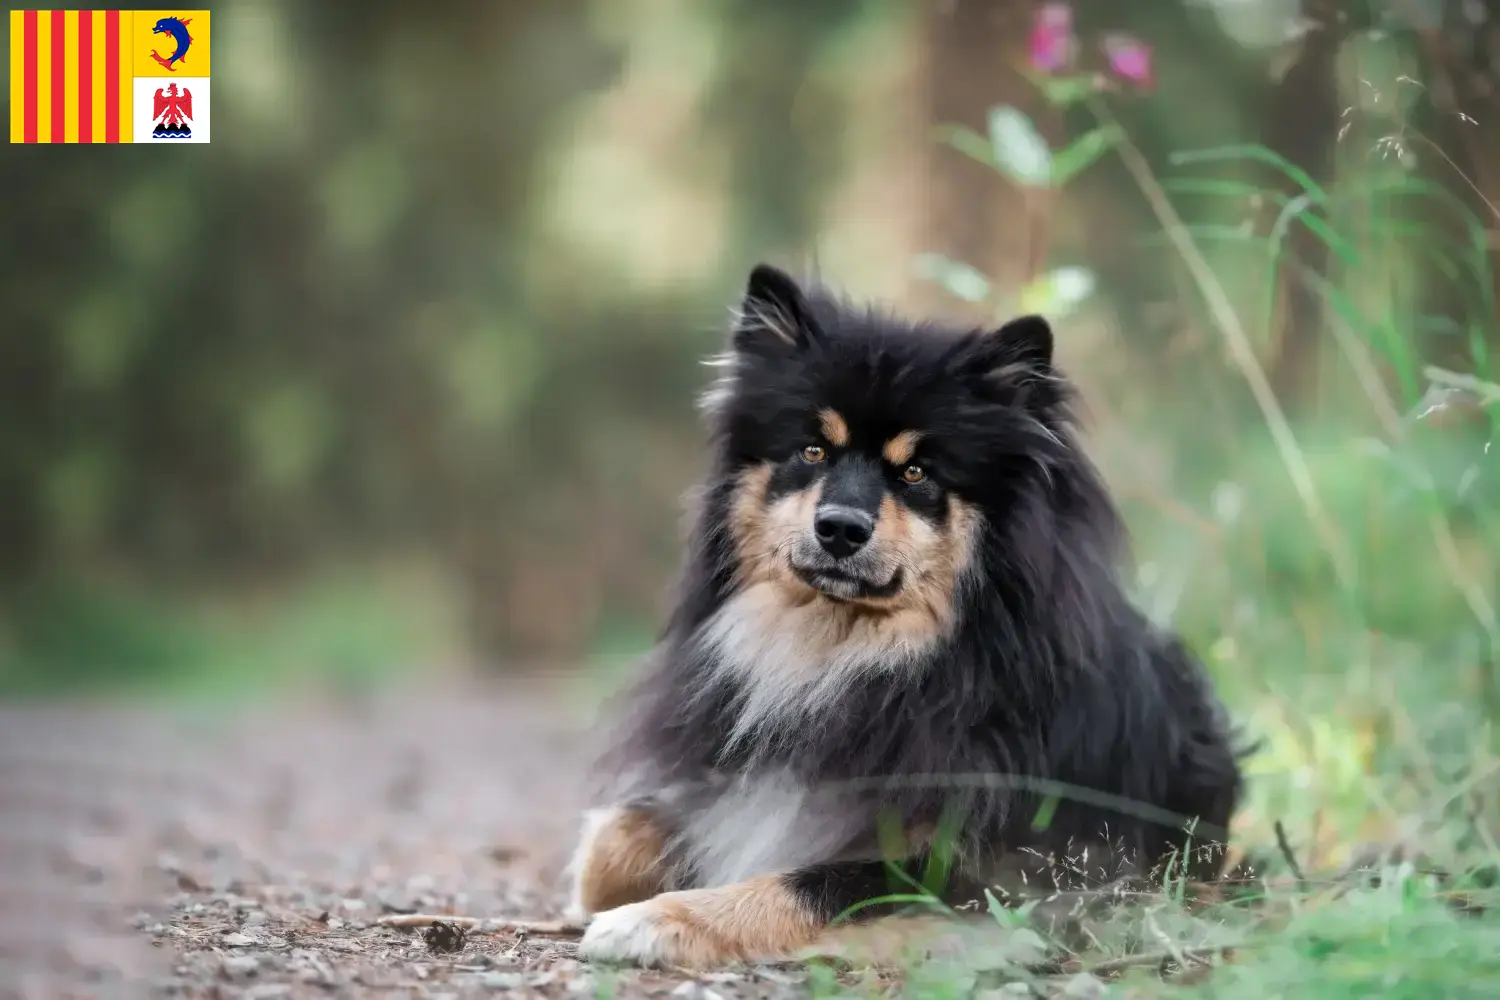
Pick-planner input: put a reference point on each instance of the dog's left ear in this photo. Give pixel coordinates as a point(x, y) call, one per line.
point(1015, 355)
point(1012, 351)
point(774, 315)
point(1024, 343)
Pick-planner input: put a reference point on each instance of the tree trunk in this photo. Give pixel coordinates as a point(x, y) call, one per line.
point(974, 214)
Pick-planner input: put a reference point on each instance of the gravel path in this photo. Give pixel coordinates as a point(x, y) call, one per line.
point(251, 852)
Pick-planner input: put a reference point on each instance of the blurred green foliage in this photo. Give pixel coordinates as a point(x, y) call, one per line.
point(1299, 410)
point(375, 318)
point(434, 298)
point(337, 632)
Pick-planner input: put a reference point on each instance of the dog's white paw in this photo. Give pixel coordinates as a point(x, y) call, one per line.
point(637, 933)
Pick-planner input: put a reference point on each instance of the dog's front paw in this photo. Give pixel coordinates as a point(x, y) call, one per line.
point(703, 928)
point(637, 933)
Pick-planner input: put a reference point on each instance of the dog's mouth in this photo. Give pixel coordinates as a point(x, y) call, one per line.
point(842, 586)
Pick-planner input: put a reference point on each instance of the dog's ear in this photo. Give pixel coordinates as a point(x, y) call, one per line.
point(1015, 356)
point(1024, 344)
point(774, 317)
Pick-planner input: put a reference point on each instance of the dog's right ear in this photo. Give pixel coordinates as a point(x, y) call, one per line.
point(774, 316)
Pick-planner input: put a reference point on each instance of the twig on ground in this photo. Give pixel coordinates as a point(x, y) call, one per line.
point(485, 925)
point(1286, 852)
point(1197, 956)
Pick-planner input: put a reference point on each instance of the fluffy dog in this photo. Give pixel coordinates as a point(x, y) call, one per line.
point(901, 636)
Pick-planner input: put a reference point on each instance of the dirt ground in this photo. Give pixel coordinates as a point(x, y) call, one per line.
point(251, 851)
point(217, 852)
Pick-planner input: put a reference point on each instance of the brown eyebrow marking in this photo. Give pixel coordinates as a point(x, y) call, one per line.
point(900, 449)
point(834, 428)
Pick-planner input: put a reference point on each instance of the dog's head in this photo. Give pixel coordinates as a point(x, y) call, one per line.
point(866, 454)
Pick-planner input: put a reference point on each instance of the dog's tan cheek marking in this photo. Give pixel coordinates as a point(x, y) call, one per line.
point(757, 920)
point(963, 526)
point(900, 449)
point(952, 553)
point(620, 860)
point(916, 616)
point(747, 518)
point(934, 559)
point(835, 427)
point(893, 523)
point(786, 519)
point(759, 530)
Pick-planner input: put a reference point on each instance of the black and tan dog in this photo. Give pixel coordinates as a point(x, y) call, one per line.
point(900, 603)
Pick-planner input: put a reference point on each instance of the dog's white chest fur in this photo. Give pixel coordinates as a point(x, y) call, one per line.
point(793, 662)
point(766, 824)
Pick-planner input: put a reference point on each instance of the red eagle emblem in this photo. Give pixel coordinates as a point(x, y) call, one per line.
point(172, 110)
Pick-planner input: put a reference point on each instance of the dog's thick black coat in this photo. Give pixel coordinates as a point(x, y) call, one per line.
point(1049, 719)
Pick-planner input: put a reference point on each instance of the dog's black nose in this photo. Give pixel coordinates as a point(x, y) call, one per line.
point(843, 531)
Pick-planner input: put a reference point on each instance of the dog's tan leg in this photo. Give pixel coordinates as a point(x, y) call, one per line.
point(619, 860)
point(758, 920)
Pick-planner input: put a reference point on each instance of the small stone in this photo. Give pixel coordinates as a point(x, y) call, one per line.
point(1010, 991)
point(1026, 947)
point(255, 918)
point(1084, 987)
point(502, 980)
point(240, 967)
point(237, 940)
point(316, 971)
point(268, 991)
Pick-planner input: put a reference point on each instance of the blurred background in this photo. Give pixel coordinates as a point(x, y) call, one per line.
point(395, 380)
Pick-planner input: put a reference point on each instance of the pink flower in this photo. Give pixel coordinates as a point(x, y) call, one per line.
point(1129, 59)
point(1052, 46)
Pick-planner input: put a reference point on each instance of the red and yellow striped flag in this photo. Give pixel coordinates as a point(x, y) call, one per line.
point(91, 75)
point(70, 76)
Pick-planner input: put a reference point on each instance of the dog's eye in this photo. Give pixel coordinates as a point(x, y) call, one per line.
point(913, 474)
point(813, 453)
